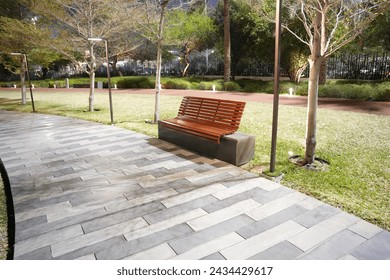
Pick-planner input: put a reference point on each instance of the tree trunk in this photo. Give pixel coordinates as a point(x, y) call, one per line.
point(156, 116)
point(23, 80)
point(312, 105)
point(92, 81)
point(322, 74)
point(226, 40)
point(186, 60)
point(91, 91)
point(315, 62)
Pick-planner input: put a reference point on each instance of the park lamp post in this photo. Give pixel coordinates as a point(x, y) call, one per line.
point(28, 76)
point(278, 17)
point(108, 74)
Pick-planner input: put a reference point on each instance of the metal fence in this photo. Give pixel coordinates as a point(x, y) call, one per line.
point(367, 66)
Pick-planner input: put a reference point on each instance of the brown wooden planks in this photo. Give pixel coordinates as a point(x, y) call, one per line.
point(207, 117)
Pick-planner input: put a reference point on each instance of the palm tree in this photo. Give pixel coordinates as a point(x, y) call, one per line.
point(226, 41)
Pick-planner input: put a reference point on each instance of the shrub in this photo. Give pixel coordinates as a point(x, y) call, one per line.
point(364, 91)
point(209, 85)
point(135, 82)
point(248, 85)
point(231, 86)
point(177, 84)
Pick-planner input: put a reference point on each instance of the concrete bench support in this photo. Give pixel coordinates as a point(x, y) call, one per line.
point(237, 148)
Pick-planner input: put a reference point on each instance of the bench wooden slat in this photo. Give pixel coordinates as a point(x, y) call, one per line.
point(207, 117)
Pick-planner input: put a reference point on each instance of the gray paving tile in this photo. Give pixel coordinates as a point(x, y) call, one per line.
point(168, 223)
point(282, 251)
point(271, 221)
point(61, 197)
point(210, 247)
point(92, 249)
point(376, 248)
point(64, 185)
point(323, 230)
point(134, 246)
point(273, 195)
point(335, 247)
point(121, 216)
point(215, 256)
point(317, 215)
point(223, 214)
point(365, 229)
point(71, 244)
point(263, 241)
point(41, 228)
point(43, 253)
point(234, 199)
point(159, 252)
point(28, 245)
point(197, 238)
point(30, 223)
point(165, 213)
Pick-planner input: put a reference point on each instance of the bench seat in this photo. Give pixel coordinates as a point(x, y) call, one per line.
point(207, 117)
point(198, 127)
point(208, 126)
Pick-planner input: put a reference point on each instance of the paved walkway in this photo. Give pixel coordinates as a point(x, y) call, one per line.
point(84, 190)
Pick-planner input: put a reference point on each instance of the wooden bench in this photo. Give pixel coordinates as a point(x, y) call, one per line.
point(207, 117)
point(203, 125)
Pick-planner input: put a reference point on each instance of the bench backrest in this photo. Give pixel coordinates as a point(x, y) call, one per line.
point(218, 111)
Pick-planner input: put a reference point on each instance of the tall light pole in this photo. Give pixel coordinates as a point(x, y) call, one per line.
point(28, 76)
point(108, 74)
point(276, 84)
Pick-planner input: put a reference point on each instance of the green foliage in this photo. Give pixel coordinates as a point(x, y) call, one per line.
point(177, 84)
point(136, 82)
point(231, 86)
point(192, 28)
point(209, 85)
point(251, 34)
point(189, 31)
point(249, 85)
point(362, 91)
point(351, 89)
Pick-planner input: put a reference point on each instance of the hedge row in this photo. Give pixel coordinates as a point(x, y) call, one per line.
point(362, 90)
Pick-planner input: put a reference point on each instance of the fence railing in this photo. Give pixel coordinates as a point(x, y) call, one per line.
point(366, 66)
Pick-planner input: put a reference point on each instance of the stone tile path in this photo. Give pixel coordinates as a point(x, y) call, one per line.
point(83, 190)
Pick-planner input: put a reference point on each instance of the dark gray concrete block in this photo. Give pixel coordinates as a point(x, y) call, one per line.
point(317, 215)
point(336, 247)
point(143, 243)
point(282, 251)
point(237, 148)
point(195, 239)
point(43, 253)
point(376, 248)
point(215, 256)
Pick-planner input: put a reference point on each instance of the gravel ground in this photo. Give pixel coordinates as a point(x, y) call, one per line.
point(3, 224)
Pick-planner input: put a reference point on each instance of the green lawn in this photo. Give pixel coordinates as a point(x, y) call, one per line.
point(356, 145)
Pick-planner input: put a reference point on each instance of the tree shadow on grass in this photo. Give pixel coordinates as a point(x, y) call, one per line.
point(8, 101)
